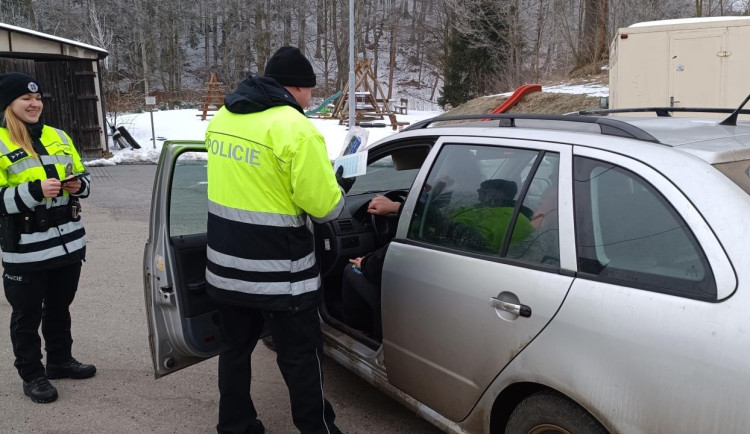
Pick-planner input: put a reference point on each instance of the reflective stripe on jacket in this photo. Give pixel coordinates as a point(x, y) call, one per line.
point(20, 192)
point(267, 171)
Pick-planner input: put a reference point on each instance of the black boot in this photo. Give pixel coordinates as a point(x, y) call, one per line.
point(257, 427)
point(71, 369)
point(40, 390)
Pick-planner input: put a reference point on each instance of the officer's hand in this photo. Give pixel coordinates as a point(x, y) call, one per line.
point(51, 187)
point(345, 183)
point(72, 186)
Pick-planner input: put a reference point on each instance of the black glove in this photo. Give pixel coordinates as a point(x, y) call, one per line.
point(345, 183)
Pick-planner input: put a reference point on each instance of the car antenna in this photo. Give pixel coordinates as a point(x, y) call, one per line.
point(732, 119)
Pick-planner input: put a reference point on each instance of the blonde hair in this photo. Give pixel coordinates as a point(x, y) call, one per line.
point(18, 132)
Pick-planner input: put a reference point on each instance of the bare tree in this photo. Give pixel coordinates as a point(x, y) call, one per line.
point(173, 46)
point(18, 13)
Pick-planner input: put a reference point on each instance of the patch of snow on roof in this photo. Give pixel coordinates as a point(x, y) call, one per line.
point(583, 89)
point(52, 38)
point(688, 21)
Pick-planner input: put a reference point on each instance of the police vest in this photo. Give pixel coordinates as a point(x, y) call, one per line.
point(267, 172)
point(492, 223)
point(55, 245)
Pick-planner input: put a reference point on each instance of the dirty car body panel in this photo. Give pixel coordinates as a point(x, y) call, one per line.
point(627, 298)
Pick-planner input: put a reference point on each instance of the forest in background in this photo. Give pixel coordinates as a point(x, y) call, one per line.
point(439, 51)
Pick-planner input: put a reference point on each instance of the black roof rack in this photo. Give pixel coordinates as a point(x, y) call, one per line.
point(610, 127)
point(660, 111)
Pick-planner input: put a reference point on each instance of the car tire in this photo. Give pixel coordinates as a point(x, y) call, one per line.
point(551, 412)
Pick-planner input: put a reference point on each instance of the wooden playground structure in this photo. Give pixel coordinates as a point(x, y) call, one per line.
point(214, 98)
point(370, 101)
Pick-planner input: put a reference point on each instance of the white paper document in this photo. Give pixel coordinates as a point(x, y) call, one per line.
point(355, 140)
point(353, 164)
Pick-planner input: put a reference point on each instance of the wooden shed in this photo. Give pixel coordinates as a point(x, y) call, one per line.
point(69, 74)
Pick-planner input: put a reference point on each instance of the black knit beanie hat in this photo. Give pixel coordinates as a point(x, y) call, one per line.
point(15, 84)
point(289, 67)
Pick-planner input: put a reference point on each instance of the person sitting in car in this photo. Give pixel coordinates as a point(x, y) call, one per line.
point(361, 282)
point(483, 226)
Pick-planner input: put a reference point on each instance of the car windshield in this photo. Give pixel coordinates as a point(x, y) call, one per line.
point(383, 175)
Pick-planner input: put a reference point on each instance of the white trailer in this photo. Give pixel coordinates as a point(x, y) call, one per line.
point(694, 62)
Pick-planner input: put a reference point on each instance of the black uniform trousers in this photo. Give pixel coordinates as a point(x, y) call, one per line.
point(299, 353)
point(41, 297)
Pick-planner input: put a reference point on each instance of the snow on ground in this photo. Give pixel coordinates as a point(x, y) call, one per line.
point(186, 125)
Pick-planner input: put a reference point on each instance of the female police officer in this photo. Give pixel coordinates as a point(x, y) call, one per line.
point(41, 236)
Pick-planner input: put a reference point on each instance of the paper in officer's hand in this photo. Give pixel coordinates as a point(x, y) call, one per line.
point(355, 140)
point(353, 164)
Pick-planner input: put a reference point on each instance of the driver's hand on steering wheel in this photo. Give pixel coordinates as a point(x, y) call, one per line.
point(381, 205)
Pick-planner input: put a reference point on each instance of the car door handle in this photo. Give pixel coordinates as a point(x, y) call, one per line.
point(517, 309)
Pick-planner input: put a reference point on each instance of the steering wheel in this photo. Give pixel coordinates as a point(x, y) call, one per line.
point(384, 226)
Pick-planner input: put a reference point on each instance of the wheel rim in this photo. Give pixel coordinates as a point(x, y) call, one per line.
point(548, 428)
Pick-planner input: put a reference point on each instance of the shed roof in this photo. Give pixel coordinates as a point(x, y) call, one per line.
point(101, 53)
point(686, 24)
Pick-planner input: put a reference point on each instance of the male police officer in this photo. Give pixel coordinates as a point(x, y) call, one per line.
point(268, 170)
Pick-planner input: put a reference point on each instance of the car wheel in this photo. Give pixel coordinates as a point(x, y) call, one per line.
point(550, 412)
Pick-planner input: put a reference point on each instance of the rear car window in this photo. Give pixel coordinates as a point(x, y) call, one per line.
point(627, 233)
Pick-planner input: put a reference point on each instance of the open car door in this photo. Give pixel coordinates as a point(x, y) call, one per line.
point(182, 319)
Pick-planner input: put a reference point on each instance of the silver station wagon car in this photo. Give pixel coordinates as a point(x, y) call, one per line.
point(603, 286)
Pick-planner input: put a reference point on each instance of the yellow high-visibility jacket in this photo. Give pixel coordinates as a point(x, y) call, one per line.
point(267, 172)
point(21, 193)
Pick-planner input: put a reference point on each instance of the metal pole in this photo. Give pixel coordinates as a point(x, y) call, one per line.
point(153, 134)
point(352, 99)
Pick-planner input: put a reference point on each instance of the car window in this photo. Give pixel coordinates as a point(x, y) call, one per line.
point(470, 199)
point(391, 172)
point(188, 202)
point(542, 245)
point(627, 233)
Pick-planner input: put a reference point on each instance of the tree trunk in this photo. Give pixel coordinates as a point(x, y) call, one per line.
point(144, 60)
point(393, 50)
point(262, 34)
point(287, 40)
point(593, 40)
point(321, 29)
point(515, 41)
point(206, 40)
point(340, 31)
point(376, 35)
point(215, 34)
point(32, 18)
point(302, 27)
point(326, 58)
point(538, 37)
